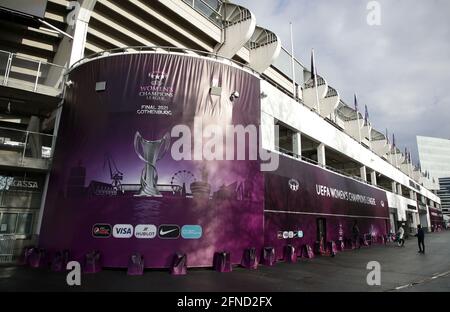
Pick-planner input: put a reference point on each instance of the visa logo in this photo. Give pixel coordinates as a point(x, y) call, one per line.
point(123, 231)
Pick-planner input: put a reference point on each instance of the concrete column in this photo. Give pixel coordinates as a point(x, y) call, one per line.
point(411, 194)
point(363, 173)
point(297, 146)
point(417, 219)
point(394, 187)
point(80, 32)
point(373, 178)
point(399, 188)
point(321, 155)
point(276, 135)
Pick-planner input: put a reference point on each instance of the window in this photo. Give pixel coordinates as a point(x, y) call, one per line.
point(285, 142)
point(24, 224)
point(16, 223)
point(8, 223)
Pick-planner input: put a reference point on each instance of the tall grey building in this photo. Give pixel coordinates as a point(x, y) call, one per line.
point(434, 154)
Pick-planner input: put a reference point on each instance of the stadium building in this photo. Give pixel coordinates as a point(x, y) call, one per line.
point(90, 95)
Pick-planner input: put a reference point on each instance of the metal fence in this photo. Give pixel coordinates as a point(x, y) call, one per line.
point(30, 74)
point(7, 242)
point(19, 146)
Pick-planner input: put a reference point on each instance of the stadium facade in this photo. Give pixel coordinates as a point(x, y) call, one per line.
point(90, 97)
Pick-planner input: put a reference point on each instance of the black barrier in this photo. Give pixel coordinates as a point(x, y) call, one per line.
point(27, 252)
point(222, 262)
point(307, 252)
point(332, 249)
point(268, 256)
point(341, 245)
point(38, 258)
point(289, 254)
point(319, 248)
point(179, 264)
point(349, 244)
point(92, 262)
point(60, 260)
point(136, 264)
point(249, 259)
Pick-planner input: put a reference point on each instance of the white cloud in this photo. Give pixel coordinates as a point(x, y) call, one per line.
point(400, 70)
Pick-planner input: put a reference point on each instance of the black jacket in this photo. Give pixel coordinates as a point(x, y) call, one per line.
point(420, 234)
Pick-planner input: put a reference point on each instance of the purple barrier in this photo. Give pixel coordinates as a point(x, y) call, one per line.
point(136, 265)
point(60, 260)
point(92, 262)
point(289, 254)
point(307, 252)
point(332, 248)
point(222, 262)
point(249, 260)
point(268, 257)
point(179, 264)
point(37, 258)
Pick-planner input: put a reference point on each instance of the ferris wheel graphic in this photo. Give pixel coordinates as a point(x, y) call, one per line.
point(182, 180)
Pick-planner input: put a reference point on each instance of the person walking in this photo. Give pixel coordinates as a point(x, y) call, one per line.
point(355, 233)
point(401, 236)
point(421, 239)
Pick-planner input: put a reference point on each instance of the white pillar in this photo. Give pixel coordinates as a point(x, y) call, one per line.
point(363, 173)
point(276, 136)
point(373, 178)
point(297, 146)
point(81, 28)
point(394, 187)
point(321, 155)
point(399, 188)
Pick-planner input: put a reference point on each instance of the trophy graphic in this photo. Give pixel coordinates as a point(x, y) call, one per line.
point(150, 152)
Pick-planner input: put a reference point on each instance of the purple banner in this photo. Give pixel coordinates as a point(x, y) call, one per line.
point(304, 202)
point(115, 186)
point(436, 218)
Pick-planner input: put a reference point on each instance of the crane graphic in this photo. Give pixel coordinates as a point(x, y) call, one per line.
point(115, 174)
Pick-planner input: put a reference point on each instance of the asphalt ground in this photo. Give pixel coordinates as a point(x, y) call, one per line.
point(402, 269)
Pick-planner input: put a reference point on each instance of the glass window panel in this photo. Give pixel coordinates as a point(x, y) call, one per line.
point(8, 223)
point(207, 11)
point(24, 224)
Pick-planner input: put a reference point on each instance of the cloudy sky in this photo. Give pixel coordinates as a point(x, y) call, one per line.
point(400, 69)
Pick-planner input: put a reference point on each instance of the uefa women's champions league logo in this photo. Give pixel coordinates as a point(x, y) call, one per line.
point(157, 79)
point(156, 88)
point(294, 185)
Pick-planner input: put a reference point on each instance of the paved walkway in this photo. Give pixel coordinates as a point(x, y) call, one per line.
point(402, 269)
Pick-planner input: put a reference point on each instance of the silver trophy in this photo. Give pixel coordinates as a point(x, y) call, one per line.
point(150, 152)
